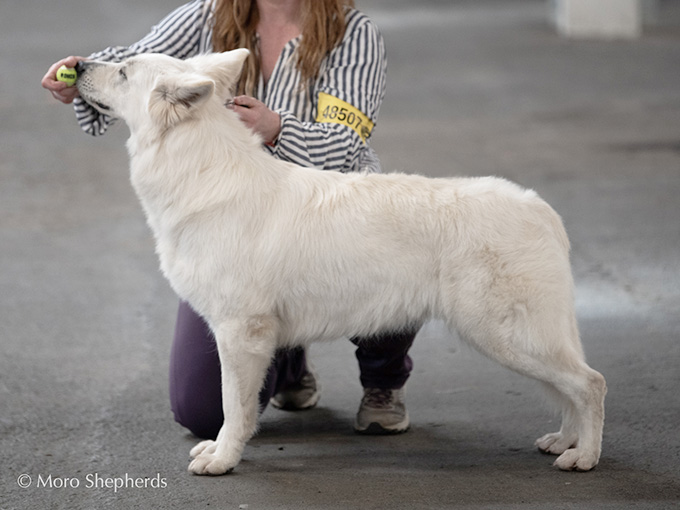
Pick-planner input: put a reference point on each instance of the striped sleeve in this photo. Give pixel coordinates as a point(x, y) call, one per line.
point(355, 73)
point(178, 35)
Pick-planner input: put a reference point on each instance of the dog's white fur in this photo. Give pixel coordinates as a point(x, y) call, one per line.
point(272, 254)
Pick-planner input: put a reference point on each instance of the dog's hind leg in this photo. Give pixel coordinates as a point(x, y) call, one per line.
point(536, 335)
point(579, 392)
point(245, 348)
point(578, 388)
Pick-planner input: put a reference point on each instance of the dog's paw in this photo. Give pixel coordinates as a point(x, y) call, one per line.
point(576, 459)
point(555, 443)
point(208, 446)
point(210, 464)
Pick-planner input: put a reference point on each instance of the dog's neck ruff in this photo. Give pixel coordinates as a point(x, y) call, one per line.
point(174, 180)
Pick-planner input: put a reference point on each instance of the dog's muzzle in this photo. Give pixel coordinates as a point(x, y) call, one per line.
point(84, 84)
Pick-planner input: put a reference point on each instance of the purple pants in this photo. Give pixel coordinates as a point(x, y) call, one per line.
point(195, 381)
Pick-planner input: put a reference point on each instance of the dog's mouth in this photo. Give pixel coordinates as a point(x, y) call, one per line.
point(102, 106)
point(98, 105)
point(84, 94)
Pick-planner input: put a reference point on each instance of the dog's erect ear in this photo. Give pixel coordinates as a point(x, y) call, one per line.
point(225, 68)
point(174, 98)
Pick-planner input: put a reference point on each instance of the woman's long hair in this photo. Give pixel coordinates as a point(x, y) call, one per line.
point(323, 27)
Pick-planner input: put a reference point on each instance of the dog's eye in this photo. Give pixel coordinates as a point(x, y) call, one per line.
point(122, 74)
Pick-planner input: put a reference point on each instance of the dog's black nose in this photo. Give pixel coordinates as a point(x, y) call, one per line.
point(80, 68)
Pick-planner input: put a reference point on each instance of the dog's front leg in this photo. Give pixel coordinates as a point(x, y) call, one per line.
point(245, 350)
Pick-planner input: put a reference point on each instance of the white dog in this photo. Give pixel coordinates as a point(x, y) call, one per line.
point(272, 254)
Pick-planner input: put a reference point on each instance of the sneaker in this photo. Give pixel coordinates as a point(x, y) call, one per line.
point(382, 412)
point(302, 395)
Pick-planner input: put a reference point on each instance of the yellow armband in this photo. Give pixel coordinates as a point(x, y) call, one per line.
point(330, 109)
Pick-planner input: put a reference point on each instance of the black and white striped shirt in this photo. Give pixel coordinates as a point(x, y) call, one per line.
point(354, 72)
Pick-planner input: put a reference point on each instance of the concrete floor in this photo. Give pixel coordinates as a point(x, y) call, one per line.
point(475, 88)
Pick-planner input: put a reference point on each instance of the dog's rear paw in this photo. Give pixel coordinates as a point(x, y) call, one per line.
point(555, 443)
point(576, 459)
point(208, 446)
point(209, 464)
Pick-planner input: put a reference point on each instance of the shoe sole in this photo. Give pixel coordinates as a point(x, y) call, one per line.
point(304, 407)
point(375, 429)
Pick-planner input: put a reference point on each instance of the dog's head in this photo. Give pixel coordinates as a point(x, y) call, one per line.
point(158, 88)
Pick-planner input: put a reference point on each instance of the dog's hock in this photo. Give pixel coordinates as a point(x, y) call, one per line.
point(174, 99)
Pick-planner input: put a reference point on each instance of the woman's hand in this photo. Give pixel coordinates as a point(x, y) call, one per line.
point(60, 90)
point(258, 117)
